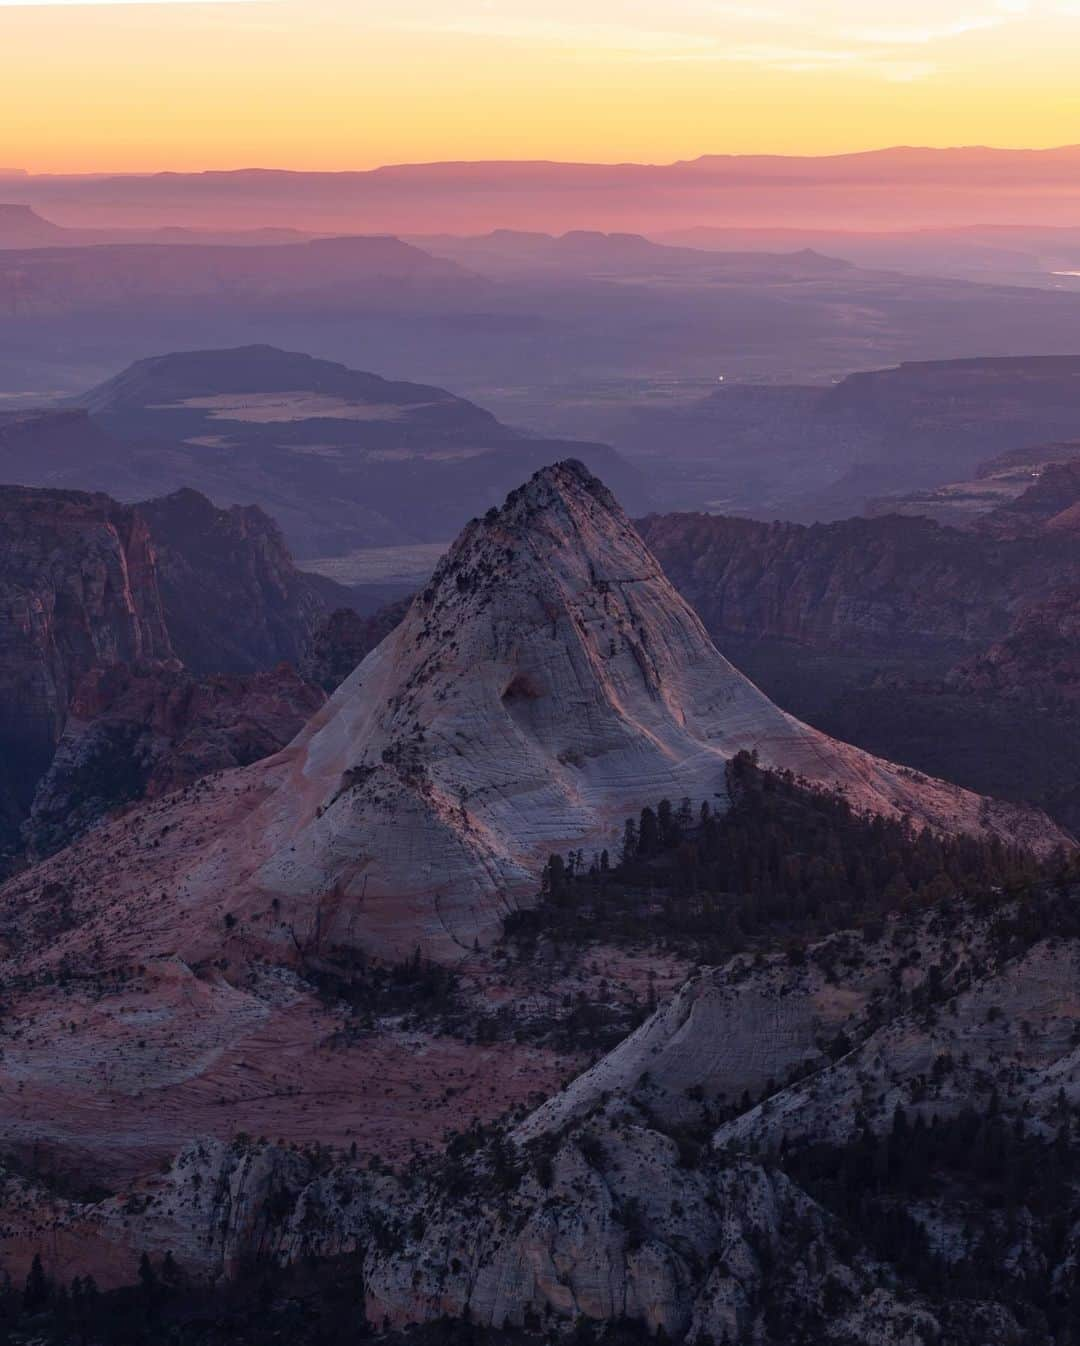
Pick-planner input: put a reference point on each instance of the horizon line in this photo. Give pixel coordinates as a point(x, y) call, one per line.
point(12, 173)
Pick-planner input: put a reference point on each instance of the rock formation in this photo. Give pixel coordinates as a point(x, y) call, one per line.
point(875, 587)
point(546, 682)
point(79, 589)
point(953, 650)
point(139, 731)
point(345, 639)
point(233, 599)
point(624, 1197)
point(88, 585)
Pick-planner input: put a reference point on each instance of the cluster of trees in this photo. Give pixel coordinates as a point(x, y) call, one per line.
point(417, 987)
point(310, 1305)
point(1014, 1189)
point(785, 859)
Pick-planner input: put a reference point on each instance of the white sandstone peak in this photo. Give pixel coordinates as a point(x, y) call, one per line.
point(547, 683)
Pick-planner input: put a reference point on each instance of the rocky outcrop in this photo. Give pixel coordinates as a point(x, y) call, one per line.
point(877, 587)
point(140, 731)
point(90, 590)
point(233, 598)
point(623, 1199)
point(345, 639)
point(78, 590)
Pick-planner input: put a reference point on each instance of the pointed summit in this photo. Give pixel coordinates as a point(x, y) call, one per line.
point(547, 684)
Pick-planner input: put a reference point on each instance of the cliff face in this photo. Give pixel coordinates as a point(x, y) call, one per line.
point(873, 586)
point(140, 731)
point(1038, 661)
point(954, 651)
point(100, 605)
point(78, 589)
point(234, 600)
point(344, 639)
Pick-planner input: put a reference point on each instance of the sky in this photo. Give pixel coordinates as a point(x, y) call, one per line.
point(339, 84)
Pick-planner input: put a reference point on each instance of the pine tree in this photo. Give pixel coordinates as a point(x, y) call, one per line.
point(36, 1294)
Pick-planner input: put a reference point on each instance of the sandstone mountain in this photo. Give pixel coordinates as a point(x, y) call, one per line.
point(547, 680)
point(199, 954)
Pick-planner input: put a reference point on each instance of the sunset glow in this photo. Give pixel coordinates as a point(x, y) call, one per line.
point(351, 84)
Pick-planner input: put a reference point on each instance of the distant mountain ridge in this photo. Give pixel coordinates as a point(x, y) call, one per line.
point(592, 252)
point(340, 458)
point(940, 186)
point(809, 452)
point(334, 273)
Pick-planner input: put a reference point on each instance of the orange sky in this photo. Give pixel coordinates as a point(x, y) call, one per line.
point(342, 84)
